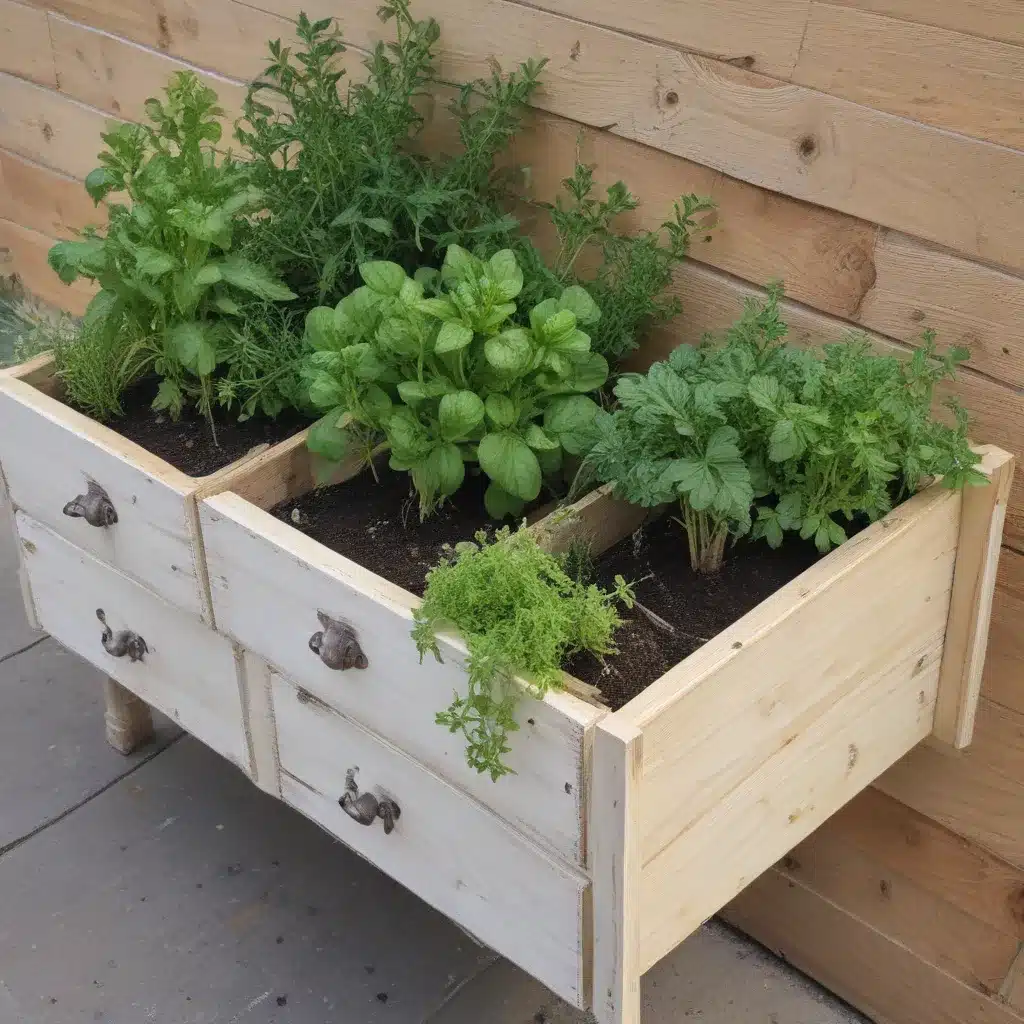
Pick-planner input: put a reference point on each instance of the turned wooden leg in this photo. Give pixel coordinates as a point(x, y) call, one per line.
point(128, 720)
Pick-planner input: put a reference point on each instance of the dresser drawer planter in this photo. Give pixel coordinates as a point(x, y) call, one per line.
point(677, 801)
point(102, 492)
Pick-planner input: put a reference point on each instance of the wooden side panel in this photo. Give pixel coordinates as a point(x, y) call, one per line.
point(23, 252)
point(615, 858)
point(882, 977)
point(788, 714)
point(150, 541)
point(993, 19)
point(188, 671)
point(445, 847)
point(1003, 682)
point(983, 510)
point(25, 43)
point(41, 200)
point(269, 581)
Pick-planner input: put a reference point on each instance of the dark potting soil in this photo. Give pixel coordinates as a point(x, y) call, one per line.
point(377, 524)
point(656, 561)
point(188, 443)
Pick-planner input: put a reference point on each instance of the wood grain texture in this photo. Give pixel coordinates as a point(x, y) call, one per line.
point(127, 719)
point(116, 76)
point(615, 859)
point(916, 895)
point(188, 671)
point(269, 581)
point(25, 43)
point(882, 977)
point(948, 79)
point(994, 19)
point(42, 200)
point(810, 697)
point(983, 510)
point(1003, 682)
point(976, 792)
point(254, 679)
point(714, 301)
point(23, 252)
point(446, 847)
point(150, 542)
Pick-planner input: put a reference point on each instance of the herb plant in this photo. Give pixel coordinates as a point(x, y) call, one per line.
point(843, 431)
point(336, 160)
point(434, 370)
point(170, 285)
point(521, 614)
point(632, 272)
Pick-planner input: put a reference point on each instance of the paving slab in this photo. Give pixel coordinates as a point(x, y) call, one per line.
point(184, 895)
point(15, 632)
point(53, 752)
point(716, 977)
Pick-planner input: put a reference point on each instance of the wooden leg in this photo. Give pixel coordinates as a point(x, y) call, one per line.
point(128, 720)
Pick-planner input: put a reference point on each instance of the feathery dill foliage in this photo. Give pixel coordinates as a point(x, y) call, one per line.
point(632, 272)
point(521, 614)
point(817, 434)
point(336, 161)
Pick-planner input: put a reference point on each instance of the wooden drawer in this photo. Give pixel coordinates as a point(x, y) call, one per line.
point(445, 847)
point(268, 582)
point(49, 453)
point(187, 671)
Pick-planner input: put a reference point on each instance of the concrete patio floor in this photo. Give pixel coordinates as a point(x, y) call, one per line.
point(164, 888)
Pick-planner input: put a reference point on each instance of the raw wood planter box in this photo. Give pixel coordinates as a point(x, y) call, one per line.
point(621, 832)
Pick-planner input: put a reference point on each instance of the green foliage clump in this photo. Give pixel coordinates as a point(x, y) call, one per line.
point(434, 369)
point(521, 614)
point(632, 272)
point(336, 161)
point(171, 287)
point(843, 431)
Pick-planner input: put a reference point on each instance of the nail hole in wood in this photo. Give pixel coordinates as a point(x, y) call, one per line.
point(672, 98)
point(807, 146)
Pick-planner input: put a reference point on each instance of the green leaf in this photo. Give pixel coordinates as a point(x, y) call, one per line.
point(503, 270)
point(559, 328)
point(764, 392)
point(570, 419)
point(578, 300)
point(169, 397)
point(442, 309)
point(538, 440)
point(194, 346)
point(383, 277)
point(509, 462)
point(226, 305)
point(320, 328)
point(256, 280)
point(501, 410)
point(784, 442)
point(510, 353)
point(99, 183)
point(459, 414)
point(325, 392)
point(87, 258)
point(588, 372)
point(380, 225)
point(413, 392)
point(376, 405)
point(459, 265)
point(207, 274)
point(500, 504)
point(326, 438)
point(452, 337)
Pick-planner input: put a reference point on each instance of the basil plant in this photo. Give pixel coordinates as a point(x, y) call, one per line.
point(440, 370)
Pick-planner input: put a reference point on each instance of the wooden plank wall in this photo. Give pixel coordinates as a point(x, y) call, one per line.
point(868, 152)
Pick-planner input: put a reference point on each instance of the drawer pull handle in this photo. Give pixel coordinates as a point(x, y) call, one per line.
point(123, 642)
point(95, 507)
point(337, 644)
point(365, 807)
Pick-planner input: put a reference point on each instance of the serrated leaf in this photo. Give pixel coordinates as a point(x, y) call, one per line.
point(169, 397)
point(152, 262)
point(459, 414)
point(252, 278)
point(764, 392)
point(509, 462)
point(784, 442)
point(195, 347)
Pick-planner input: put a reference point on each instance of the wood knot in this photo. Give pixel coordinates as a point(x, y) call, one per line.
point(852, 756)
point(47, 131)
point(807, 147)
point(163, 40)
point(671, 98)
point(885, 888)
point(574, 53)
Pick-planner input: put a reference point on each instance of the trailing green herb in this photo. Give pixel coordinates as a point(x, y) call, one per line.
point(336, 161)
point(633, 271)
point(433, 369)
point(521, 615)
point(843, 431)
point(170, 286)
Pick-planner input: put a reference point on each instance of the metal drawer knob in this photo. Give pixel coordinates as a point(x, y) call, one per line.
point(95, 507)
point(123, 642)
point(337, 644)
point(365, 807)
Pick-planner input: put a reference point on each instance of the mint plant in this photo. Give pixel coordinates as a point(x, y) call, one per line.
point(808, 436)
point(434, 370)
point(521, 615)
point(171, 287)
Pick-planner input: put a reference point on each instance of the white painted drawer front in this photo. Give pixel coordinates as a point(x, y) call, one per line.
point(49, 453)
point(188, 671)
point(268, 581)
point(445, 846)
